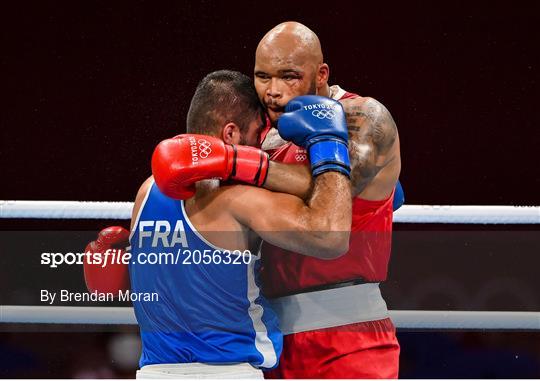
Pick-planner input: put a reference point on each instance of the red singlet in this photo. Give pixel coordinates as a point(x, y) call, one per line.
point(361, 350)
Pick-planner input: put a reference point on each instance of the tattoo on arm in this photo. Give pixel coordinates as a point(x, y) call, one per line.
point(374, 123)
point(372, 132)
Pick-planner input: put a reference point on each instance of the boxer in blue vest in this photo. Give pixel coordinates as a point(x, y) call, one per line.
point(210, 319)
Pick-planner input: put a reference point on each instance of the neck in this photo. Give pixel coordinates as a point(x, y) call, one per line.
point(324, 91)
point(204, 187)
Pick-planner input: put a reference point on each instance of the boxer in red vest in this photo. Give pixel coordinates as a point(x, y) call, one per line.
point(335, 307)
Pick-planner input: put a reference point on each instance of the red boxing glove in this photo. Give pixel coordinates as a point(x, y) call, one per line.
point(178, 163)
point(112, 277)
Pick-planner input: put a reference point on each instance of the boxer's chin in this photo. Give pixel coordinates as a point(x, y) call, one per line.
point(274, 116)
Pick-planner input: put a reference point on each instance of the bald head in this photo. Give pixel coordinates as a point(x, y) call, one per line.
point(294, 40)
point(289, 63)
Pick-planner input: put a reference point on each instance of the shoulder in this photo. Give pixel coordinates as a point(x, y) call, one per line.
point(364, 112)
point(241, 202)
point(141, 194)
point(370, 122)
point(366, 105)
point(143, 189)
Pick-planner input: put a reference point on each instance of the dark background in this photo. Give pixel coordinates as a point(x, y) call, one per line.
point(88, 88)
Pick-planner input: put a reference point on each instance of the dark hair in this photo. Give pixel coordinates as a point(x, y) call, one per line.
point(222, 97)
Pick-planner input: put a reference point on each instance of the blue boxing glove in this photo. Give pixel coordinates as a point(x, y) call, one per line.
point(399, 196)
point(318, 124)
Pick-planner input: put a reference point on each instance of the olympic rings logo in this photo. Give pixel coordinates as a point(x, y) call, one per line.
point(204, 148)
point(322, 114)
point(300, 157)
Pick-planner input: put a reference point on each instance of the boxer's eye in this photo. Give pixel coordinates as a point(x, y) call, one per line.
point(262, 76)
point(290, 77)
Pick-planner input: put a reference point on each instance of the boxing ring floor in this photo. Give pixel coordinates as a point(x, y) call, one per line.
point(403, 319)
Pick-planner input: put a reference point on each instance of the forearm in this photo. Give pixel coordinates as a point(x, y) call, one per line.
point(320, 227)
point(330, 211)
point(289, 178)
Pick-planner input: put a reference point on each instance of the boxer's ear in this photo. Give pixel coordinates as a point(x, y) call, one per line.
point(323, 73)
point(231, 133)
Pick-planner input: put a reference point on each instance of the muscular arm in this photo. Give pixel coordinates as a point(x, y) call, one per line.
point(319, 227)
point(289, 178)
point(372, 140)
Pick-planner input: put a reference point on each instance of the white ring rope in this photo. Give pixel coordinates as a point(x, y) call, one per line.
point(454, 214)
point(468, 214)
point(66, 209)
point(449, 214)
point(471, 320)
